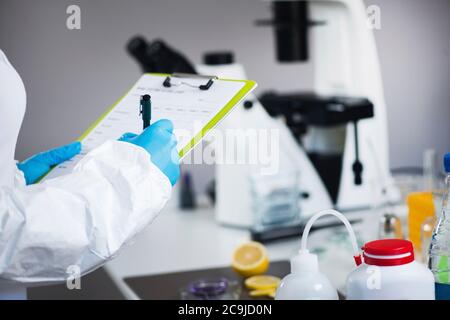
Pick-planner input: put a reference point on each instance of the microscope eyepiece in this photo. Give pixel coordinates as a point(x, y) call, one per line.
point(157, 56)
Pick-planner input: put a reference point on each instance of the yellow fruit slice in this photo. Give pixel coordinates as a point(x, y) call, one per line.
point(250, 259)
point(263, 293)
point(262, 282)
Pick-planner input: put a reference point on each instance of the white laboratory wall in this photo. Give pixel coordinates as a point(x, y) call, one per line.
point(72, 76)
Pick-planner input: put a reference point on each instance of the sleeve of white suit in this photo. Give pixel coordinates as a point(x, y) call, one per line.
point(81, 219)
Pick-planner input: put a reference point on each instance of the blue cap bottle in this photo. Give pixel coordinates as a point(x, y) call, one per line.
point(447, 163)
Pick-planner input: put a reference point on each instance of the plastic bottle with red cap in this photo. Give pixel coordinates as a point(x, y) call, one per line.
point(386, 271)
point(390, 272)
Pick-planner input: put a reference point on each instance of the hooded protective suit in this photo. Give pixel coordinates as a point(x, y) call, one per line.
point(81, 219)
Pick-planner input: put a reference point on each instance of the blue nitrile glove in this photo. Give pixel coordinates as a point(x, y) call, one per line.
point(158, 140)
point(35, 167)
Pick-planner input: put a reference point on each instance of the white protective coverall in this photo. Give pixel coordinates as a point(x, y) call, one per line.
point(80, 219)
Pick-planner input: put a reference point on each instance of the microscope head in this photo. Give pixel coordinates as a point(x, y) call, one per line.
point(290, 20)
point(157, 56)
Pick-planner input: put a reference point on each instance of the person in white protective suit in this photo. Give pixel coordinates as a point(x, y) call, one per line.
point(82, 218)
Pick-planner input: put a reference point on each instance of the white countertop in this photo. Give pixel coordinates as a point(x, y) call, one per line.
point(183, 240)
point(188, 240)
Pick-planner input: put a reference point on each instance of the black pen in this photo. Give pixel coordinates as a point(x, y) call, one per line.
point(146, 110)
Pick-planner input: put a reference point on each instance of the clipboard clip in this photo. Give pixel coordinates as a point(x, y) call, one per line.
point(182, 77)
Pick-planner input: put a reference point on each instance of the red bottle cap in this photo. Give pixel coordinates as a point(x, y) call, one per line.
point(388, 252)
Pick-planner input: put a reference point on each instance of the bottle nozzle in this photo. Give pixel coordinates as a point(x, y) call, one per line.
point(305, 262)
point(340, 216)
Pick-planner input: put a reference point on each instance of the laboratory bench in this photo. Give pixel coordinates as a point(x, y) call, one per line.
point(183, 243)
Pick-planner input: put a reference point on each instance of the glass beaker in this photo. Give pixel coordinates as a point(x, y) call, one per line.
point(275, 199)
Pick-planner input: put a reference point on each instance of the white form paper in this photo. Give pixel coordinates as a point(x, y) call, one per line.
point(188, 107)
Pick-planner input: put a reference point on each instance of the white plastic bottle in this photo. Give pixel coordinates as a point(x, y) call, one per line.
point(389, 272)
point(305, 282)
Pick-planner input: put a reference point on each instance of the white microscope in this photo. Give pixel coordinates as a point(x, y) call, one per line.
point(335, 138)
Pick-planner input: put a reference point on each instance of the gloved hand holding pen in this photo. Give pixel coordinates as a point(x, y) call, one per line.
point(160, 142)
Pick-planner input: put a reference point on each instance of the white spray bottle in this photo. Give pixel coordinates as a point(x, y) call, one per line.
point(306, 282)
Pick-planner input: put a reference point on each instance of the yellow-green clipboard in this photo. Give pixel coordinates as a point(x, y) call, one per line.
point(245, 87)
point(248, 86)
point(223, 111)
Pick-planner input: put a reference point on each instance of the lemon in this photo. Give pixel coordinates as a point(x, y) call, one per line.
point(250, 259)
point(273, 294)
point(263, 293)
point(262, 282)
